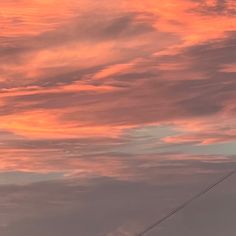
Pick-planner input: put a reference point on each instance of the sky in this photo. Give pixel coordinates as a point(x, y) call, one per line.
point(114, 112)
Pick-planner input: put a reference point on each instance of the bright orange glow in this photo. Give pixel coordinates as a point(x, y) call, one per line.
point(79, 69)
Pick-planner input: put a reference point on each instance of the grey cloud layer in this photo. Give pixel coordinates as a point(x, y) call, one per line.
point(58, 207)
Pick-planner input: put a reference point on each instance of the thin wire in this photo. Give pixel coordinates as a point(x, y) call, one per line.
point(185, 204)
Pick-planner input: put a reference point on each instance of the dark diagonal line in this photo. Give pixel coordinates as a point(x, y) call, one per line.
point(185, 204)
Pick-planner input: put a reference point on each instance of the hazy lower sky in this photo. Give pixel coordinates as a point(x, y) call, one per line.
point(112, 113)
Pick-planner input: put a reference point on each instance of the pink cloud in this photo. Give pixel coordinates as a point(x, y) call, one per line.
point(79, 69)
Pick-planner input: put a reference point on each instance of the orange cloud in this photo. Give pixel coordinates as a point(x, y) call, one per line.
point(113, 70)
point(26, 17)
point(183, 18)
point(82, 69)
point(229, 68)
point(47, 124)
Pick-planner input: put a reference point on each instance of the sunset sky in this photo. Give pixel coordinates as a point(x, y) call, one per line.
point(114, 112)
